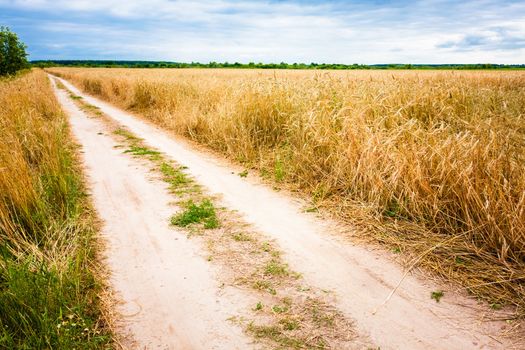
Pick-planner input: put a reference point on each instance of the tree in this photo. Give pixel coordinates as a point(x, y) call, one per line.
point(13, 56)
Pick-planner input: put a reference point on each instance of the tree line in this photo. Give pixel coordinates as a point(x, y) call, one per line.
point(253, 65)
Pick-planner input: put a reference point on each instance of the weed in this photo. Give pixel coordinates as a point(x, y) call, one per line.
point(241, 237)
point(289, 324)
point(276, 268)
point(460, 261)
point(276, 334)
point(90, 108)
point(279, 309)
point(279, 172)
point(197, 213)
point(296, 275)
point(60, 85)
point(312, 210)
point(243, 173)
point(496, 306)
point(437, 295)
point(266, 247)
point(127, 135)
point(141, 151)
point(264, 331)
point(175, 177)
point(320, 193)
point(322, 319)
point(264, 285)
point(258, 307)
point(264, 173)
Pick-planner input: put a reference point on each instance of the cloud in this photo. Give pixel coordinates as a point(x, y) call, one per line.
point(425, 31)
point(497, 38)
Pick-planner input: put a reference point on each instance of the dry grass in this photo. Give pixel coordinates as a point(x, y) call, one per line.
point(48, 291)
point(424, 161)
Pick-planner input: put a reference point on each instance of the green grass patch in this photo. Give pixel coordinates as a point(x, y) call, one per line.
point(258, 307)
point(266, 247)
point(197, 213)
point(175, 177)
point(289, 324)
point(278, 309)
point(321, 318)
point(241, 237)
point(437, 295)
point(276, 334)
point(75, 97)
point(279, 171)
point(60, 85)
point(276, 268)
point(311, 210)
point(43, 307)
point(127, 135)
point(264, 285)
point(141, 151)
point(90, 108)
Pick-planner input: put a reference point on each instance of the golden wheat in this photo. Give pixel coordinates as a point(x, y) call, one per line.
point(422, 159)
point(31, 125)
point(46, 234)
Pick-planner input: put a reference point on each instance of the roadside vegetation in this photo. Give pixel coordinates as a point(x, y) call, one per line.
point(48, 274)
point(429, 163)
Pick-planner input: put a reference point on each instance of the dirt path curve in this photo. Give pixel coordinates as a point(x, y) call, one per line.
point(153, 268)
point(362, 279)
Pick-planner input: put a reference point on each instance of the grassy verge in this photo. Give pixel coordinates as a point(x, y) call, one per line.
point(428, 163)
point(48, 283)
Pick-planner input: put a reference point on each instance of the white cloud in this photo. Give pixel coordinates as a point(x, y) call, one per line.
point(432, 31)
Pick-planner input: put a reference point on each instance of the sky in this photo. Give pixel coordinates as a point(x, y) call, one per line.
point(364, 32)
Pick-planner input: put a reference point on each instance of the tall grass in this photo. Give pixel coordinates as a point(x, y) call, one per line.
point(48, 293)
point(428, 162)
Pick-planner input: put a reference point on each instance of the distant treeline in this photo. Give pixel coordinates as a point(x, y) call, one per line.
point(252, 65)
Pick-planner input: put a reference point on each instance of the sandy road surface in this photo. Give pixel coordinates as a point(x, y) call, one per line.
point(362, 279)
point(170, 296)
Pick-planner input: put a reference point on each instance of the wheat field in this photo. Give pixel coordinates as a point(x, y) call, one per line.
point(430, 163)
point(48, 283)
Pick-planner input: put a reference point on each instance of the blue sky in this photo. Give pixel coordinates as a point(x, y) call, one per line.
point(430, 31)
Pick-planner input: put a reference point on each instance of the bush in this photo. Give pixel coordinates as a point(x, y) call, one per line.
point(12, 53)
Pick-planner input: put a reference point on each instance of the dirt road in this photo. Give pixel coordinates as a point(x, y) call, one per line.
point(170, 280)
point(171, 299)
